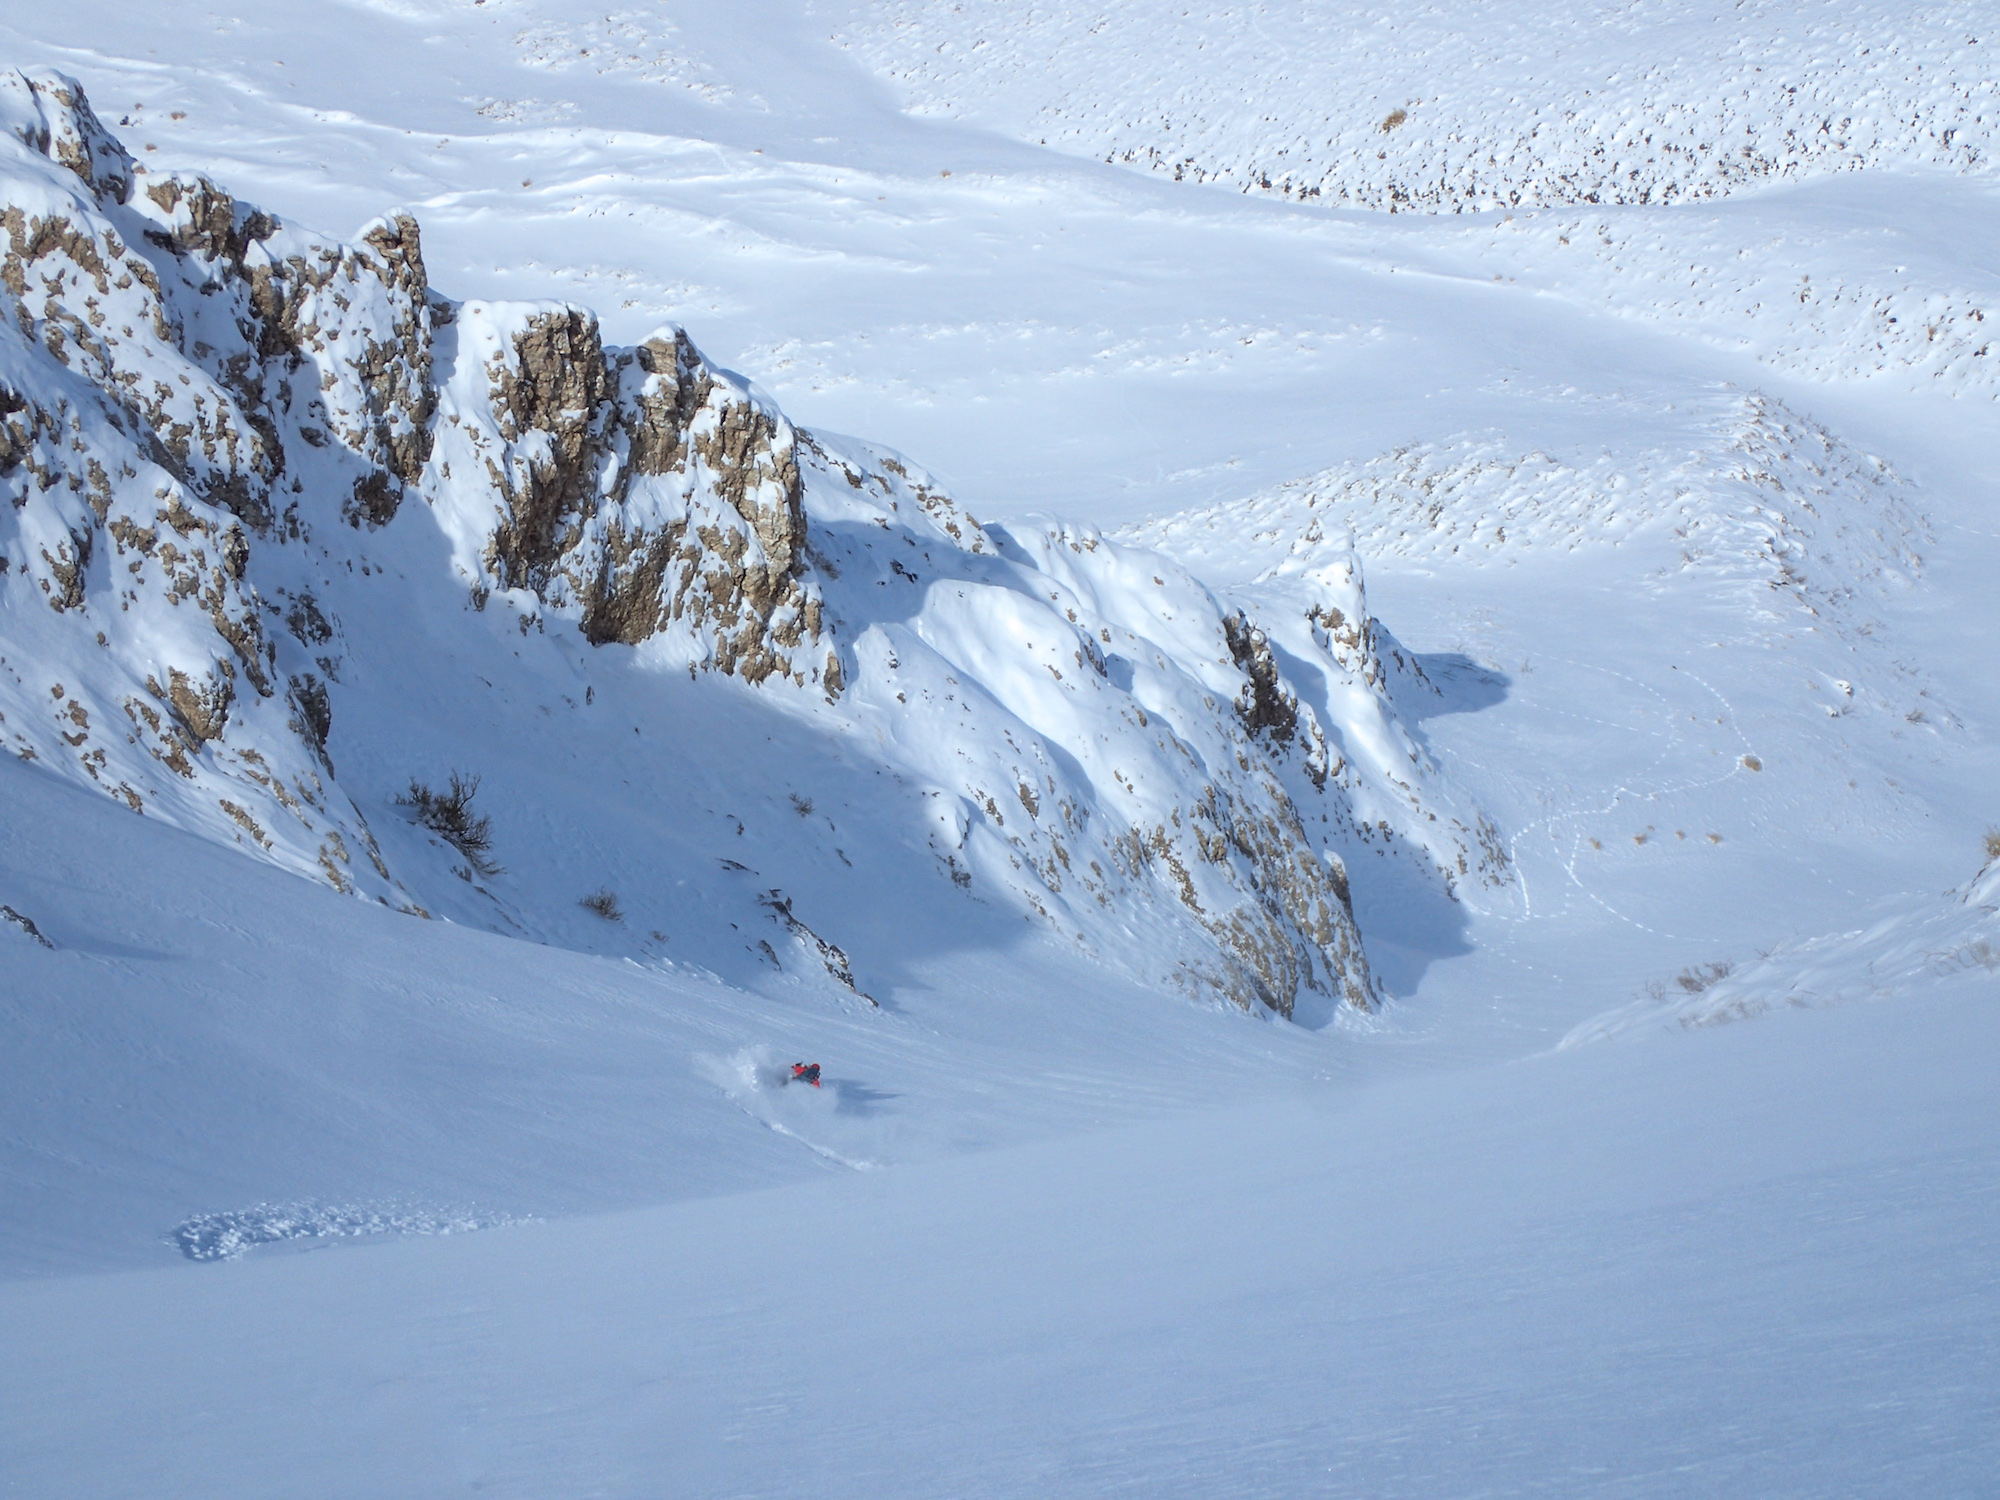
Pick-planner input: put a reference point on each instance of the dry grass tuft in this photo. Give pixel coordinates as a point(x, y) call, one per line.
point(1698, 977)
point(604, 903)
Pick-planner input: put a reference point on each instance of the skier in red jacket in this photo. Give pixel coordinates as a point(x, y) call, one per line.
point(806, 1073)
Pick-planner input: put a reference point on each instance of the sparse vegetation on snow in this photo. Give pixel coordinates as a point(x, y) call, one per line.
point(604, 903)
point(449, 815)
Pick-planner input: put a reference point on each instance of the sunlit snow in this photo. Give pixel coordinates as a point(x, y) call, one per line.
point(1335, 661)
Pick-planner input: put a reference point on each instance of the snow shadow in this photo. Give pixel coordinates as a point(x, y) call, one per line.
point(851, 1098)
point(1463, 687)
point(1407, 916)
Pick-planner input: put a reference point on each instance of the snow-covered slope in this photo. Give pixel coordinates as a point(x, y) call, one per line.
point(1460, 106)
point(1808, 535)
point(275, 498)
point(1742, 1261)
point(1682, 514)
point(1892, 296)
point(208, 1054)
point(1910, 946)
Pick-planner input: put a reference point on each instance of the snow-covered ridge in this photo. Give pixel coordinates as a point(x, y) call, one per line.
point(1462, 107)
point(1810, 534)
point(227, 443)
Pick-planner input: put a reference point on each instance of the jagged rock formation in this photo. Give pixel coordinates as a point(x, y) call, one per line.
point(639, 487)
point(190, 386)
point(219, 432)
point(25, 924)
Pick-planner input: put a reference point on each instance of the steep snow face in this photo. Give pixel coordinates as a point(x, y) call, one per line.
point(226, 442)
point(139, 462)
point(1091, 726)
point(1461, 107)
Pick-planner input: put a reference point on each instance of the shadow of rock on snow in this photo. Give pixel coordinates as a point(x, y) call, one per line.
point(1463, 687)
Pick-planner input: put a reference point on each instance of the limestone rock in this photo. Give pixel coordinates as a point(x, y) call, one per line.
point(47, 112)
point(641, 489)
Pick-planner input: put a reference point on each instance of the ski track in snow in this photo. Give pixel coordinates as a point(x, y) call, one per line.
point(1639, 792)
point(761, 1087)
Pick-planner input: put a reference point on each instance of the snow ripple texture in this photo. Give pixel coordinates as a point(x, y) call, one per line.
point(1458, 107)
point(1812, 534)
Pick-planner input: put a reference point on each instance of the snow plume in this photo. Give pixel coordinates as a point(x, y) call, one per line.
point(247, 466)
point(761, 1085)
point(745, 1074)
point(229, 1236)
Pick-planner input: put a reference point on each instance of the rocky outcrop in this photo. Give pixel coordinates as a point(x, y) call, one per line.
point(221, 388)
point(159, 350)
point(644, 490)
point(48, 113)
point(221, 437)
point(1266, 704)
point(552, 385)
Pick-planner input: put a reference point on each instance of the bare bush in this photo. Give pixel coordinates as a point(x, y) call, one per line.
point(449, 815)
point(605, 903)
point(1979, 953)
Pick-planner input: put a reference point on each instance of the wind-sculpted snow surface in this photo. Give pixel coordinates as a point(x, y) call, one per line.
point(222, 437)
point(1833, 303)
point(1462, 107)
point(1910, 946)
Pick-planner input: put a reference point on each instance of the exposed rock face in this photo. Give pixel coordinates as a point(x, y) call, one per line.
point(1266, 704)
point(642, 489)
point(554, 386)
point(190, 388)
point(48, 113)
point(210, 420)
point(163, 372)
